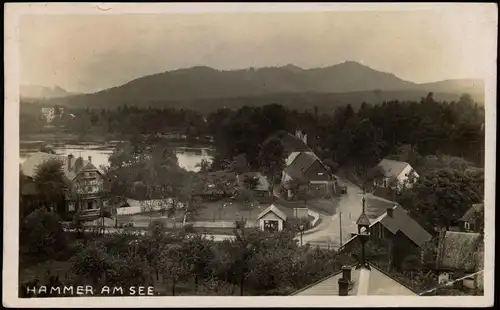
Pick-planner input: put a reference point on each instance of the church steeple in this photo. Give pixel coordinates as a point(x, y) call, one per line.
point(363, 235)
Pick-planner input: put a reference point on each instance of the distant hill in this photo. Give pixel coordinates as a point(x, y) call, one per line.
point(196, 86)
point(34, 92)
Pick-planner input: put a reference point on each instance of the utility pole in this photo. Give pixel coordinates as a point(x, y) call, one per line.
point(340, 219)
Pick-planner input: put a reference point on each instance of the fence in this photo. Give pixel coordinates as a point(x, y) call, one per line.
point(315, 216)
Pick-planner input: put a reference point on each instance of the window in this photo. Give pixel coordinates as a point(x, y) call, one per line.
point(467, 226)
point(89, 205)
point(385, 183)
point(320, 173)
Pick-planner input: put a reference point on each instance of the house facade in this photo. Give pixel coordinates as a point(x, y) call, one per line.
point(305, 168)
point(401, 172)
point(85, 190)
point(473, 219)
point(272, 219)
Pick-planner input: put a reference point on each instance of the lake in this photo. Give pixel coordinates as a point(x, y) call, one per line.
point(188, 157)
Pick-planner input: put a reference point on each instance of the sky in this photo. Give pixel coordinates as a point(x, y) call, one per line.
point(87, 53)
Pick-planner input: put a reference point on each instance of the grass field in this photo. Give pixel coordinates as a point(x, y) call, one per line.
point(214, 211)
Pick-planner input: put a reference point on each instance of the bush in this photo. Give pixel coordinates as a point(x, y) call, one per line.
point(42, 236)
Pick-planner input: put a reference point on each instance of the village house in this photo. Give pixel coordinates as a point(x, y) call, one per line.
point(274, 217)
point(461, 256)
point(473, 219)
point(306, 168)
point(401, 172)
point(362, 279)
point(396, 228)
point(85, 182)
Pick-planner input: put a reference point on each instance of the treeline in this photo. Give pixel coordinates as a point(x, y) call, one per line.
point(359, 138)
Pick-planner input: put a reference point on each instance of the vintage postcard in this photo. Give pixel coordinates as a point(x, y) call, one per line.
point(270, 154)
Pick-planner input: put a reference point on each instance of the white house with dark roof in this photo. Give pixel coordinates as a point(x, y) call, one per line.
point(272, 219)
point(401, 171)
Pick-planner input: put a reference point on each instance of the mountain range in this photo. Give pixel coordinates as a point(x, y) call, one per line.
point(42, 92)
point(197, 86)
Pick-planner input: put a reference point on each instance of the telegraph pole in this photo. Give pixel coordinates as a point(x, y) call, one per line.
point(340, 219)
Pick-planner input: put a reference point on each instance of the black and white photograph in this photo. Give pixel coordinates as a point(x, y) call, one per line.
point(294, 152)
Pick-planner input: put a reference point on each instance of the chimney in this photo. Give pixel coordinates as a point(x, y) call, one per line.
point(346, 273)
point(70, 158)
point(78, 164)
point(343, 287)
point(390, 212)
point(90, 158)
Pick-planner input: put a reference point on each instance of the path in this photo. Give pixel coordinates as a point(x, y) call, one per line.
point(328, 233)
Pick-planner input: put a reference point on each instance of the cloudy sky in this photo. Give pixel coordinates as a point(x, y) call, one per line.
point(86, 53)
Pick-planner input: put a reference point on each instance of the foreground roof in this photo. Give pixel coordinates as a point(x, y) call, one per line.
point(371, 281)
point(392, 168)
point(460, 251)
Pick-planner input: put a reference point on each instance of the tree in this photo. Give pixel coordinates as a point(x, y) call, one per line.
point(204, 166)
point(173, 266)
point(251, 182)
point(51, 183)
point(271, 160)
point(442, 196)
point(42, 236)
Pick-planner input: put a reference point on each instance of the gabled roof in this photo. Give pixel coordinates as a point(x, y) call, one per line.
point(301, 163)
point(392, 168)
point(363, 220)
point(460, 251)
point(274, 209)
point(401, 221)
point(290, 142)
point(69, 168)
point(474, 211)
point(373, 281)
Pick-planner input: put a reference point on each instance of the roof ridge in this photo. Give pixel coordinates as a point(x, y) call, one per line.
point(317, 282)
point(392, 277)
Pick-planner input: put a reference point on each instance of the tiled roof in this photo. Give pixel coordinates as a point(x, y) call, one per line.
point(371, 281)
point(401, 221)
point(377, 206)
point(392, 168)
point(274, 209)
point(30, 165)
point(302, 162)
point(471, 214)
point(459, 251)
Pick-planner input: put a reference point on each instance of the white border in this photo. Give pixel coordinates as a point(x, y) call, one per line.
point(11, 158)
